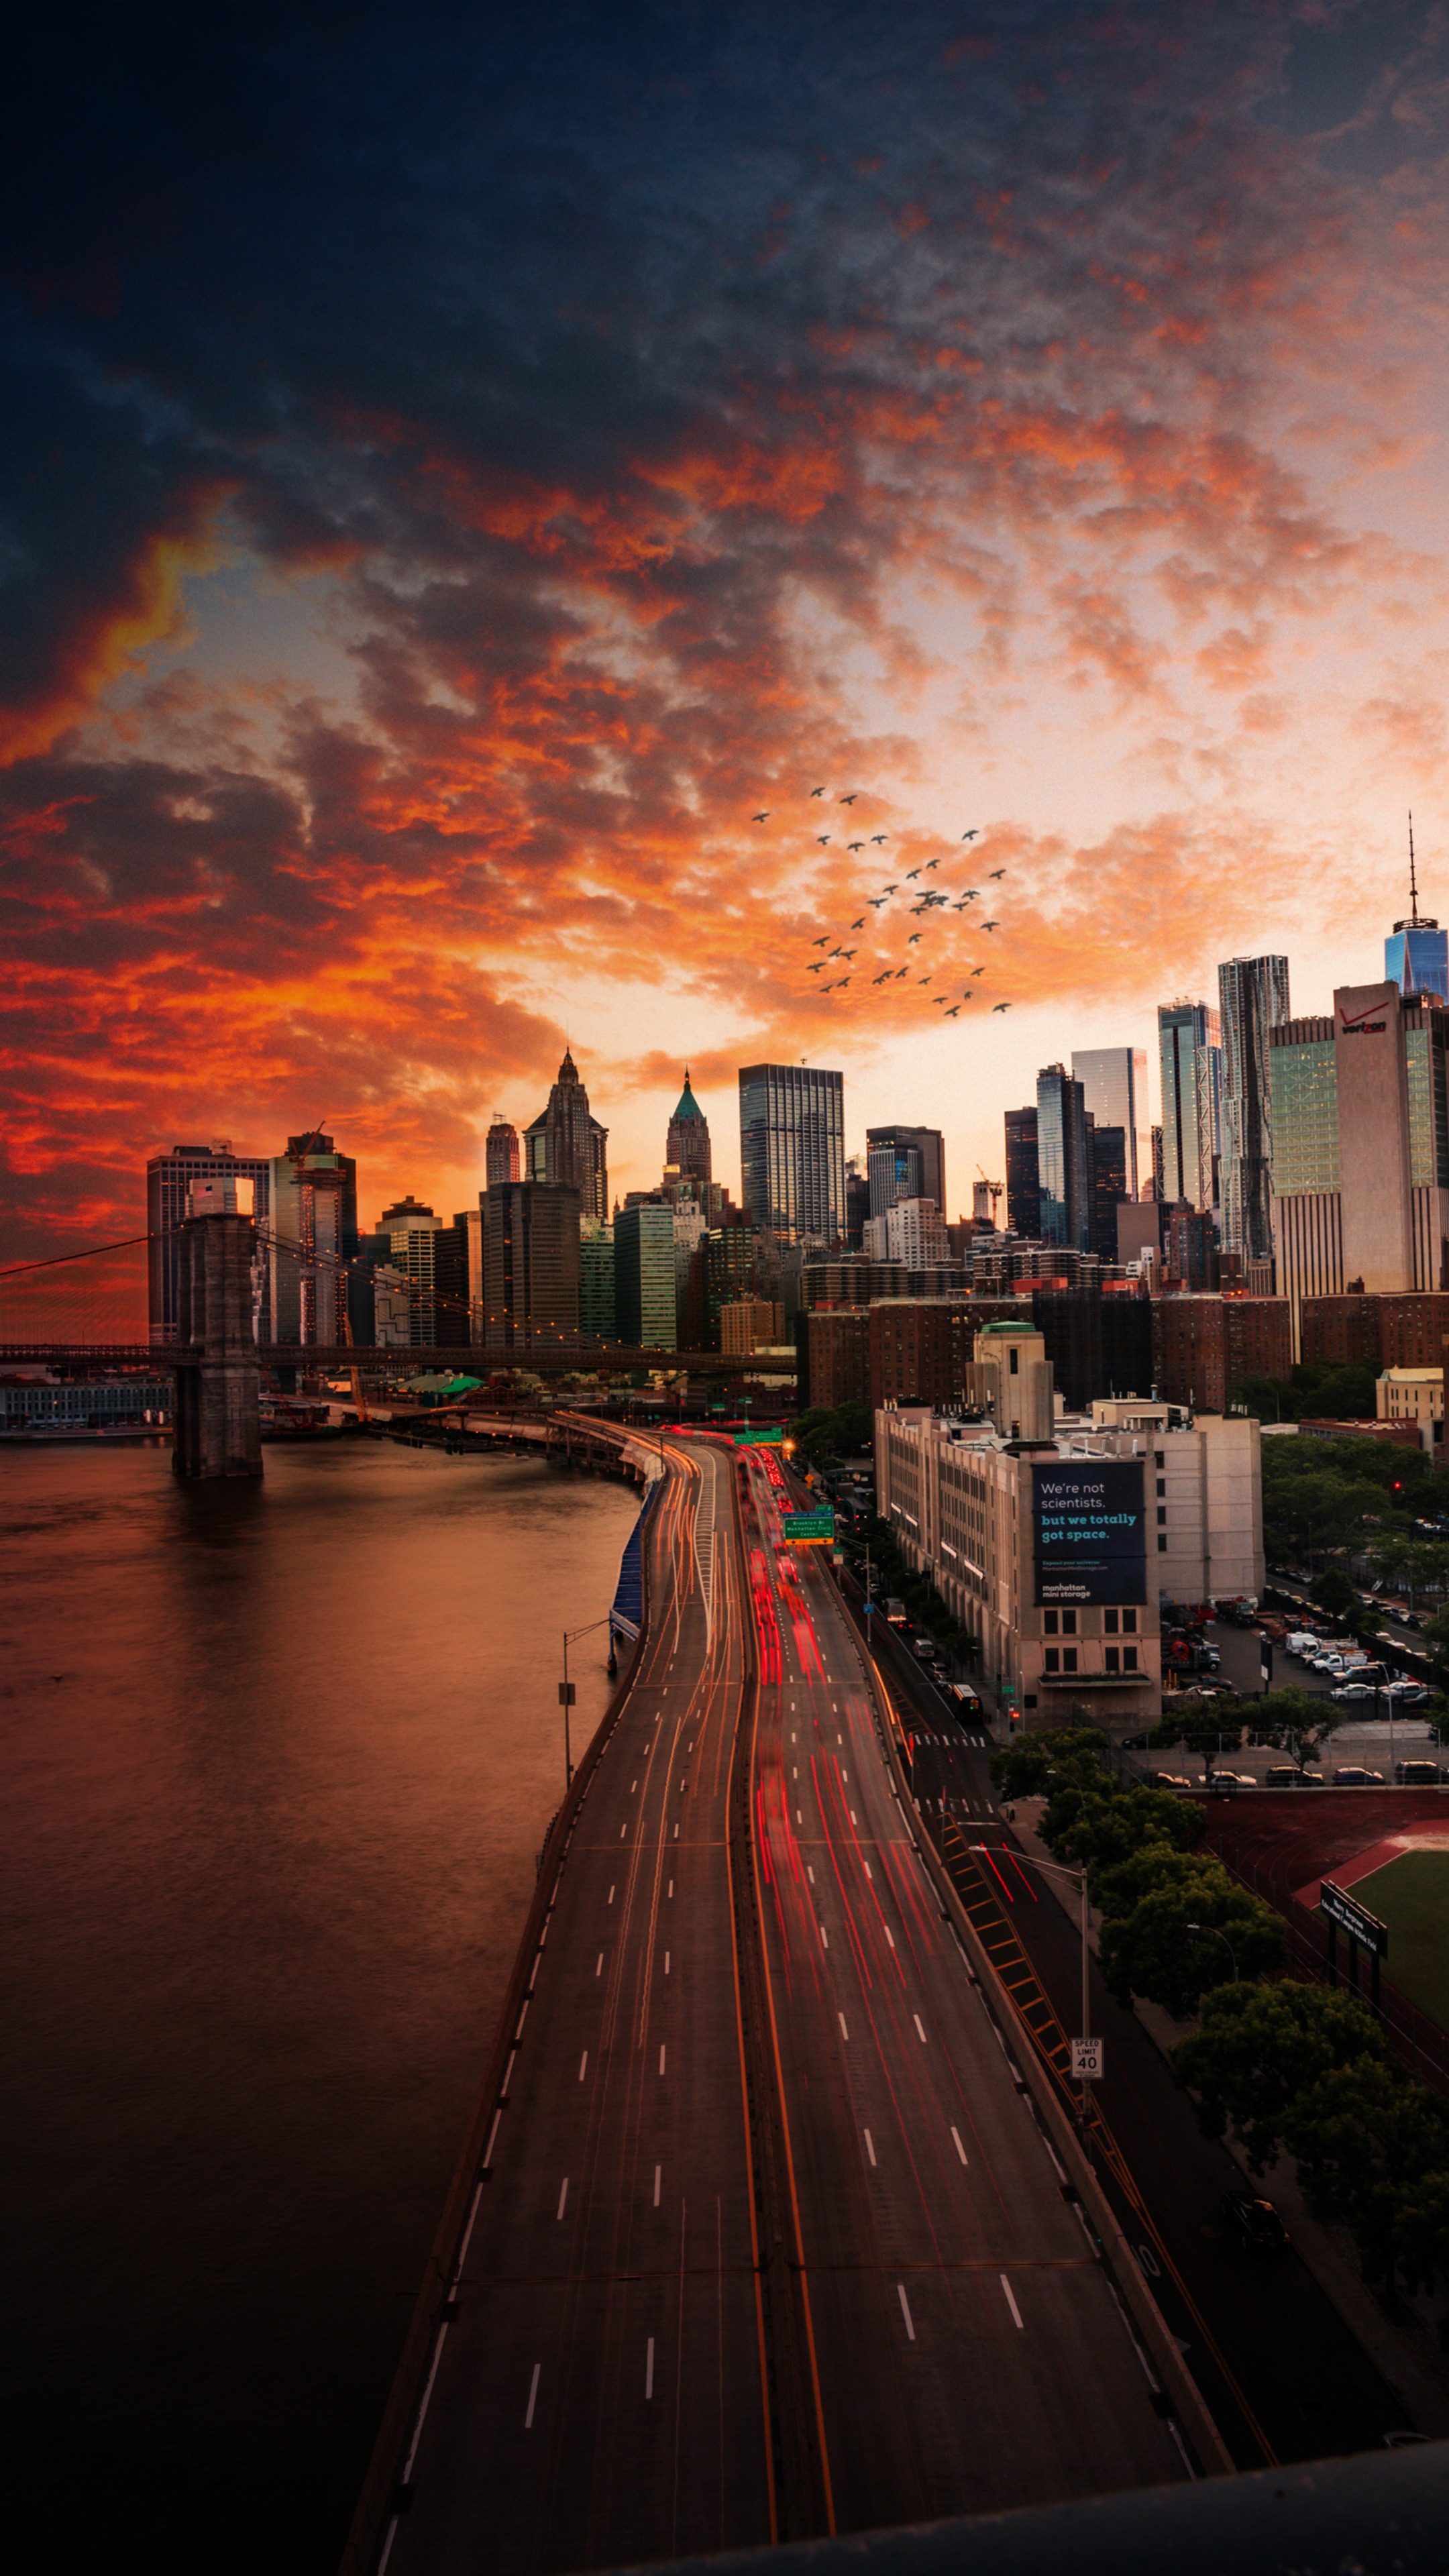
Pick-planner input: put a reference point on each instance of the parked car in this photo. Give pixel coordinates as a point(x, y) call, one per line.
point(1170, 1780)
point(1281, 1775)
point(1408, 1694)
point(1418, 1775)
point(1352, 1775)
point(1216, 1779)
point(1353, 1690)
point(1311, 1779)
point(1255, 2223)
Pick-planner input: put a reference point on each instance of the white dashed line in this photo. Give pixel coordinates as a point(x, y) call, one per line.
point(869, 2147)
point(824, 1935)
point(658, 2170)
point(960, 2150)
point(599, 1970)
point(1010, 2301)
point(890, 1936)
point(661, 2061)
point(905, 2309)
point(563, 2195)
point(844, 2033)
point(649, 2371)
point(611, 1896)
point(583, 2062)
point(532, 2397)
point(916, 2018)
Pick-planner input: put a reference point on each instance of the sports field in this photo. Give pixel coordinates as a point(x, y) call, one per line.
point(1411, 1895)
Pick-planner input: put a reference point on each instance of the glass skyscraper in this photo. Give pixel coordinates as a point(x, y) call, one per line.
point(1063, 1159)
point(1190, 1042)
point(1114, 1087)
point(792, 1151)
point(1253, 998)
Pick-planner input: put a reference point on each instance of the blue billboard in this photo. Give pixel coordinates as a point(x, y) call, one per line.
point(1089, 1527)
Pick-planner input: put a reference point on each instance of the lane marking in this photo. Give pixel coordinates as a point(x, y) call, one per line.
point(1010, 2301)
point(905, 2309)
point(611, 1896)
point(810, 1874)
point(890, 1936)
point(960, 2150)
point(583, 2062)
point(508, 2070)
point(870, 1874)
point(532, 2397)
point(824, 1935)
point(599, 1970)
point(854, 1818)
point(671, 1887)
point(869, 2149)
point(666, 1963)
point(649, 2371)
point(916, 2018)
point(492, 2134)
point(658, 2170)
point(633, 1785)
point(676, 1833)
point(623, 1829)
point(844, 2033)
point(661, 2060)
point(563, 2195)
point(799, 1819)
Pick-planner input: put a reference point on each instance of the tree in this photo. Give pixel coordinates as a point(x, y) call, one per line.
point(1025, 1769)
point(1334, 1593)
point(1153, 1951)
point(1362, 2135)
point(1097, 1829)
point(1260, 2047)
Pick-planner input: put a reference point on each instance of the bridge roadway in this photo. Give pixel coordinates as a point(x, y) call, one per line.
point(609, 2388)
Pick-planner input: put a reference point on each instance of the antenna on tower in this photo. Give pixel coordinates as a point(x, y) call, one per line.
point(1413, 885)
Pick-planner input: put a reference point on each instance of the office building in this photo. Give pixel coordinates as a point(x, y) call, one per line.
point(1067, 1629)
point(1063, 1161)
point(1361, 1148)
point(1189, 1248)
point(645, 1293)
point(1415, 1395)
point(406, 1241)
point(453, 1311)
point(597, 1319)
point(686, 1151)
point(1010, 1379)
point(531, 1269)
point(1416, 957)
point(905, 1163)
point(1098, 1339)
point(1108, 1156)
point(566, 1148)
point(313, 1238)
point(857, 1203)
point(837, 1356)
point(169, 1179)
point(1204, 1346)
point(501, 1158)
point(1114, 1092)
point(792, 1152)
point(1253, 1000)
point(1190, 1050)
point(1023, 1174)
point(1158, 1185)
point(751, 1324)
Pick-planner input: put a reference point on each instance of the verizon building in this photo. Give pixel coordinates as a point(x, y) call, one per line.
point(1360, 1109)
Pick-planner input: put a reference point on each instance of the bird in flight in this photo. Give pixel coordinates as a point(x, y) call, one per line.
point(901, 973)
point(972, 836)
point(876, 901)
point(955, 1011)
point(914, 939)
point(855, 845)
point(961, 906)
point(923, 979)
point(761, 818)
point(911, 875)
point(819, 966)
point(976, 970)
point(1001, 1006)
point(835, 952)
point(971, 894)
point(819, 943)
point(991, 925)
point(933, 863)
point(996, 873)
point(882, 979)
point(850, 799)
point(876, 839)
point(822, 838)
point(847, 952)
point(859, 925)
point(817, 791)
point(841, 985)
point(890, 889)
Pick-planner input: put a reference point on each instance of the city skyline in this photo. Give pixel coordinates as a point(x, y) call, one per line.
point(381, 721)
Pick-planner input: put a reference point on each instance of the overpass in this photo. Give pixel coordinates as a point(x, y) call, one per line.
point(468, 1360)
point(760, 2232)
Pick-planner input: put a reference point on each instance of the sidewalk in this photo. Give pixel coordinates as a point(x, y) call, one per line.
point(1405, 2351)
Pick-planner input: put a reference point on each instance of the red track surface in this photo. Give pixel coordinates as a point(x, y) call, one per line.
point(1289, 1836)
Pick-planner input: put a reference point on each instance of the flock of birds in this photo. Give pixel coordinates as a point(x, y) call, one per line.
point(922, 901)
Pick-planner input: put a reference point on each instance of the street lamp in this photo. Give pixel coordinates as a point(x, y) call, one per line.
point(1055, 1870)
point(1212, 1930)
point(568, 1691)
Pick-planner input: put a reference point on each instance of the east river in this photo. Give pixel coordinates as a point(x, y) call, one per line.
point(277, 1762)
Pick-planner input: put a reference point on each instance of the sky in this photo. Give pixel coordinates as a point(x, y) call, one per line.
point(461, 466)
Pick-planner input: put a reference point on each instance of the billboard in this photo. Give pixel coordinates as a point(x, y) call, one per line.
point(1089, 1525)
point(808, 1529)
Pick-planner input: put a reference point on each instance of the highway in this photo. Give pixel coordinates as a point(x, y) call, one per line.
point(599, 2397)
point(767, 2237)
point(966, 2348)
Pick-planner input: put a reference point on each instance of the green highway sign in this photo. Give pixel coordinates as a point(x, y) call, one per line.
point(808, 1529)
point(759, 1439)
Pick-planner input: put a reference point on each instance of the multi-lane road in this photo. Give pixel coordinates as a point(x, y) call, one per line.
point(765, 2235)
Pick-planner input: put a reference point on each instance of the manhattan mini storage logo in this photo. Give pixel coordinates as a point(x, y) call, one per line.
point(1360, 1025)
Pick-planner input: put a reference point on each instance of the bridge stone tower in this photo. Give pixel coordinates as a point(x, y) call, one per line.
point(218, 1420)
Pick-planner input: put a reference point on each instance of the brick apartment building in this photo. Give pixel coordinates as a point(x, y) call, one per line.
point(1401, 1329)
point(838, 1356)
point(1202, 1346)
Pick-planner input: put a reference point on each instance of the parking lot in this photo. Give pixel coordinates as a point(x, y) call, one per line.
point(1361, 1740)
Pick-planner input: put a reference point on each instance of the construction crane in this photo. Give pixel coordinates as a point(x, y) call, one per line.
point(993, 1187)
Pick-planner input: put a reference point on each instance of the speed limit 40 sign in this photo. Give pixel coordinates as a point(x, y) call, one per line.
point(1087, 2057)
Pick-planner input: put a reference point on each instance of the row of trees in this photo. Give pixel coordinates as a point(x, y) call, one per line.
point(1295, 2068)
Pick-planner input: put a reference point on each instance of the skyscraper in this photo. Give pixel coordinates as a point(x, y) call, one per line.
point(1253, 994)
point(792, 1151)
point(530, 1267)
point(1190, 1040)
point(1023, 1174)
point(1063, 1159)
point(566, 1148)
point(501, 1159)
point(1107, 1149)
point(920, 1165)
point(687, 1149)
point(313, 1237)
point(1416, 958)
point(1114, 1088)
point(645, 1291)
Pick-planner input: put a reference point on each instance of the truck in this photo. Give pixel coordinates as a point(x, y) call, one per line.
point(895, 1611)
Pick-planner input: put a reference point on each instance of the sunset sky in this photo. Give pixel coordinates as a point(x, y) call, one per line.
point(463, 464)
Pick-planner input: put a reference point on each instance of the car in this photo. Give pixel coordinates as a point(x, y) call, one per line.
point(1170, 1780)
point(1216, 1779)
point(1353, 1690)
point(1417, 1775)
point(1281, 1775)
point(1255, 2223)
point(1311, 1779)
point(1352, 1775)
point(1408, 1694)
